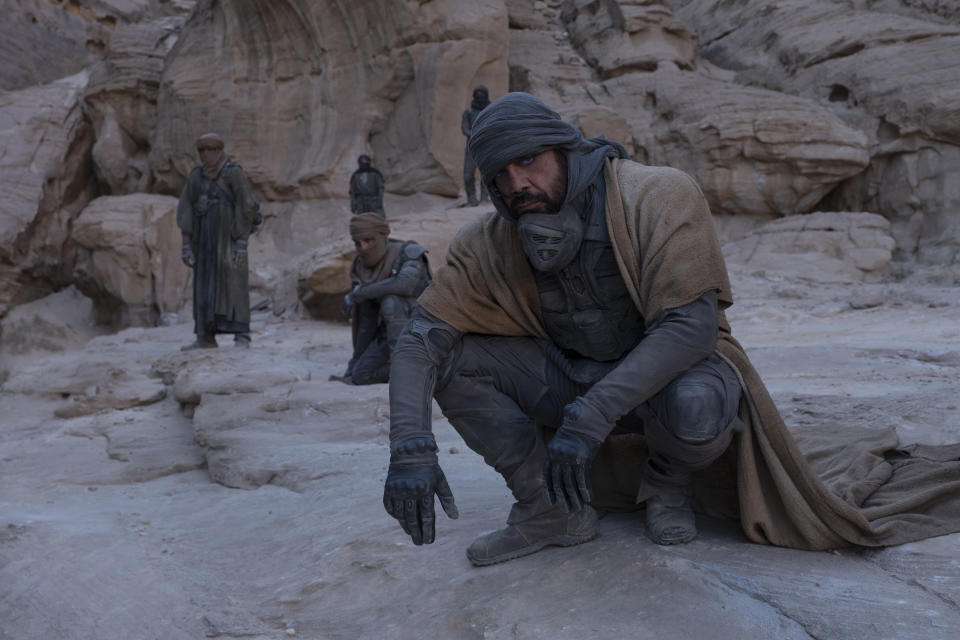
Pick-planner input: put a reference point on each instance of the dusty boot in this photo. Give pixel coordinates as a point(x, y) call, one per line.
point(670, 518)
point(202, 342)
point(241, 340)
point(549, 527)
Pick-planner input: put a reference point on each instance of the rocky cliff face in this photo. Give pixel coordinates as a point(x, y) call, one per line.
point(776, 109)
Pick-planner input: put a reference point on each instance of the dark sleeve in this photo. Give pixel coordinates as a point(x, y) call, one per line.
point(246, 207)
point(405, 283)
point(466, 126)
point(421, 350)
point(185, 209)
point(677, 341)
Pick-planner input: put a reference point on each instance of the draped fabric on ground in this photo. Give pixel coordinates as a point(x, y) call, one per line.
point(813, 489)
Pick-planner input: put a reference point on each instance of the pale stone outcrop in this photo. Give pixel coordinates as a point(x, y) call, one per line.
point(299, 90)
point(629, 35)
point(834, 247)
point(43, 184)
point(59, 321)
point(87, 385)
point(753, 151)
point(891, 75)
point(128, 258)
point(42, 41)
point(121, 100)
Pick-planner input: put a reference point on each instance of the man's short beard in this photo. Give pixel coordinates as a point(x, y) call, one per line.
point(554, 198)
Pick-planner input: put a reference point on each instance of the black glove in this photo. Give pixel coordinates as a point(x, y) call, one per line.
point(186, 254)
point(412, 481)
point(350, 301)
point(239, 251)
point(566, 468)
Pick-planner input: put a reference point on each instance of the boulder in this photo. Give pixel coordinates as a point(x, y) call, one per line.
point(44, 183)
point(628, 70)
point(121, 100)
point(44, 41)
point(629, 35)
point(62, 320)
point(889, 69)
point(128, 258)
point(87, 385)
point(827, 247)
point(226, 371)
point(752, 151)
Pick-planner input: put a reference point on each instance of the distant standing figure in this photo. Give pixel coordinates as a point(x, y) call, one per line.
point(481, 98)
point(366, 187)
point(216, 215)
point(387, 275)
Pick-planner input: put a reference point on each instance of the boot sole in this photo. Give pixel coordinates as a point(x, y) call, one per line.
point(556, 541)
point(671, 541)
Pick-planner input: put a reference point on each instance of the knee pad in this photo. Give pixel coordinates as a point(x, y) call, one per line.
point(696, 411)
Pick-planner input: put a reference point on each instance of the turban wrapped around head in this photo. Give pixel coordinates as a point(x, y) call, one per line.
point(209, 141)
point(368, 222)
point(519, 125)
point(212, 165)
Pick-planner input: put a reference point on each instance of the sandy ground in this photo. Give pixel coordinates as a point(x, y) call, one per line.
point(147, 493)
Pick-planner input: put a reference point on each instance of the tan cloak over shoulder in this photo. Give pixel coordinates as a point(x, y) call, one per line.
point(817, 492)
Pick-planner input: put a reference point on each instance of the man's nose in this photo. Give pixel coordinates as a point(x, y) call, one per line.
point(516, 180)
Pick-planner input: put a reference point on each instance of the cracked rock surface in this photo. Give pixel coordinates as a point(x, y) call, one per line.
point(147, 492)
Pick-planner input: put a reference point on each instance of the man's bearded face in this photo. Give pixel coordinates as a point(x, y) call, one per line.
point(534, 184)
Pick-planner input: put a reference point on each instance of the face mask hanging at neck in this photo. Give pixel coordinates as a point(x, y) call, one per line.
point(551, 240)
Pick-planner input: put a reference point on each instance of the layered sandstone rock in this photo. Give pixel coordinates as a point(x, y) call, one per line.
point(128, 259)
point(835, 247)
point(299, 89)
point(753, 152)
point(787, 108)
point(42, 40)
point(121, 101)
point(44, 183)
point(891, 75)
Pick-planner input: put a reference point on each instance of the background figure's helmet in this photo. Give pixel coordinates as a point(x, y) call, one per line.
point(364, 160)
point(480, 91)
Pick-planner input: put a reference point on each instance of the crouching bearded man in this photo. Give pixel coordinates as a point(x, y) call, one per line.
point(387, 276)
point(589, 304)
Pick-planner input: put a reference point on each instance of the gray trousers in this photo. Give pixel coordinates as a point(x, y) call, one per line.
point(383, 320)
point(469, 178)
point(494, 389)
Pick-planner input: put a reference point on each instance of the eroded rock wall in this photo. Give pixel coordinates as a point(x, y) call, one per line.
point(299, 89)
point(888, 68)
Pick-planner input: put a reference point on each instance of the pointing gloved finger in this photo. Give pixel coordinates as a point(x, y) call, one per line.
point(398, 513)
point(570, 487)
point(547, 490)
point(427, 519)
point(557, 481)
point(446, 498)
point(411, 521)
point(583, 484)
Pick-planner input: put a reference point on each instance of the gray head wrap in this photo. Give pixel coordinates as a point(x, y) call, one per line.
point(519, 125)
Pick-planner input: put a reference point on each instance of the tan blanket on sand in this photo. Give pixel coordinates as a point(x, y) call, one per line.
point(824, 489)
